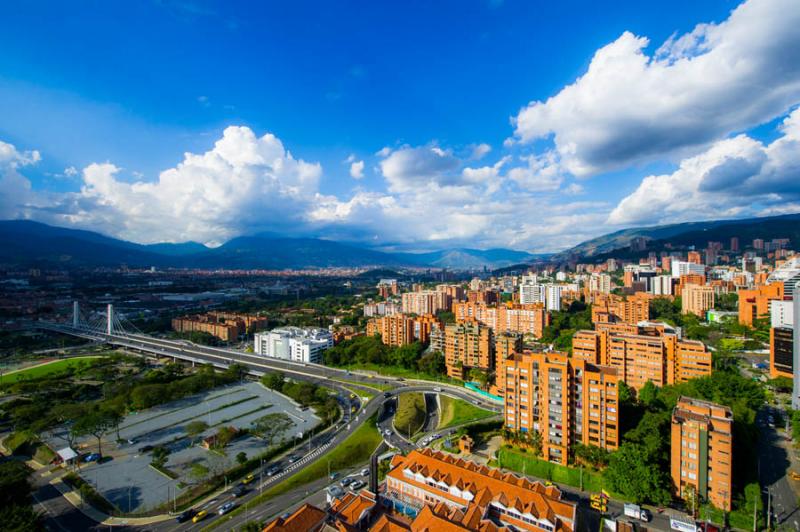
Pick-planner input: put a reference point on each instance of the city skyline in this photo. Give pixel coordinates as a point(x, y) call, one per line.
point(508, 127)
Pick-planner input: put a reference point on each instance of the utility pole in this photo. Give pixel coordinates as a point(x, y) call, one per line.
point(755, 502)
point(769, 509)
point(755, 515)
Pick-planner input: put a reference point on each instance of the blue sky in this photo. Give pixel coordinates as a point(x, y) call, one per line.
point(98, 100)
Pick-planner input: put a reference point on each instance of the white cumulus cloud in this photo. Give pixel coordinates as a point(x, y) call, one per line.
point(697, 88)
point(739, 176)
point(357, 169)
point(244, 183)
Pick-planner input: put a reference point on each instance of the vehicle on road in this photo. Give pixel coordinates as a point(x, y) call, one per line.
point(199, 516)
point(682, 524)
point(225, 508)
point(145, 449)
point(357, 485)
point(365, 472)
point(274, 470)
point(637, 512)
point(437, 389)
point(333, 476)
point(94, 457)
point(185, 516)
point(248, 479)
point(346, 481)
point(239, 490)
point(293, 458)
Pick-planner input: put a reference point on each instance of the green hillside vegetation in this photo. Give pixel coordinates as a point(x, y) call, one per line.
point(411, 413)
point(457, 412)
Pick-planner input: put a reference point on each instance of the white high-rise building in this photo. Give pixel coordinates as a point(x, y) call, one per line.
point(680, 267)
point(294, 343)
point(600, 282)
point(553, 296)
point(781, 313)
point(531, 293)
point(661, 285)
point(788, 274)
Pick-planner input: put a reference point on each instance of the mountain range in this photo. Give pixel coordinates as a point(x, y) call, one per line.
point(27, 243)
point(696, 234)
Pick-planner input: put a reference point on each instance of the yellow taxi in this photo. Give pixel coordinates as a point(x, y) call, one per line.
point(199, 516)
point(249, 478)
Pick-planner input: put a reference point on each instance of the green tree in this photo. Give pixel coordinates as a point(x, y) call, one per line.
point(432, 363)
point(648, 395)
point(14, 485)
point(625, 393)
point(95, 423)
point(20, 518)
point(446, 317)
point(632, 473)
point(16, 513)
point(274, 381)
point(224, 436)
point(115, 419)
point(195, 428)
point(241, 458)
point(160, 456)
point(198, 471)
point(480, 376)
point(271, 426)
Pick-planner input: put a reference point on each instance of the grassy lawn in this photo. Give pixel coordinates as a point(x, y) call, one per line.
point(56, 366)
point(528, 464)
point(375, 385)
point(411, 413)
point(456, 412)
point(361, 392)
point(395, 371)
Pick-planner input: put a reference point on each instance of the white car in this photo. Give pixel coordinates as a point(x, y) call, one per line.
point(365, 472)
point(225, 508)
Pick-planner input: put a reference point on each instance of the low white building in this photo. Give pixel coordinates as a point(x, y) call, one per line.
point(294, 343)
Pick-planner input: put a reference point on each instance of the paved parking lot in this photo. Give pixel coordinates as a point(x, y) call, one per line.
point(128, 481)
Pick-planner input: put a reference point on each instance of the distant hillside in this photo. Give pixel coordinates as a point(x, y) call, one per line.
point(464, 258)
point(27, 244)
point(696, 234)
point(248, 252)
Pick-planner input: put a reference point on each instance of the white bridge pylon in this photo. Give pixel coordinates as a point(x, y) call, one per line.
point(108, 322)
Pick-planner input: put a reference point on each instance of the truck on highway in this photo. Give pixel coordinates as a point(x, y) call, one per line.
point(637, 512)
